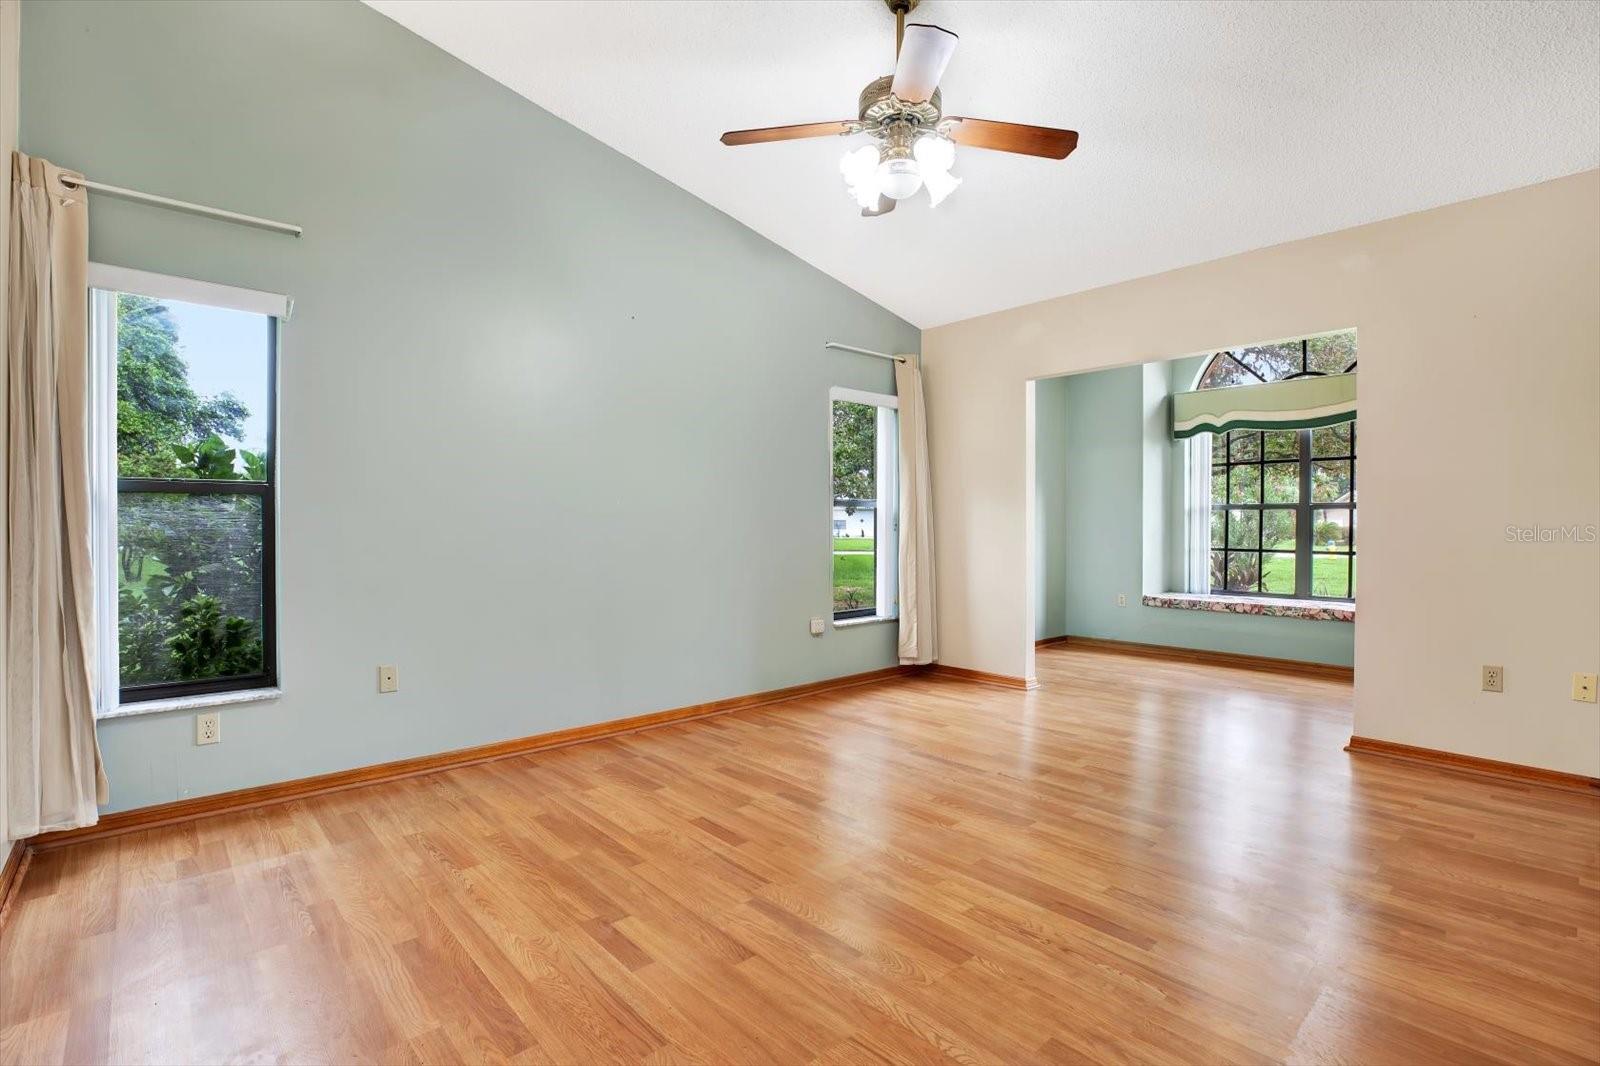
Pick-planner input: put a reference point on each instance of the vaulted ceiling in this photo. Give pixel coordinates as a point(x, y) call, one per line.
point(1206, 128)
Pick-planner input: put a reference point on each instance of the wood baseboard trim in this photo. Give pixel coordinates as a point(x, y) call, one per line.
point(1449, 760)
point(962, 673)
point(11, 871)
point(1045, 642)
point(188, 810)
point(1324, 671)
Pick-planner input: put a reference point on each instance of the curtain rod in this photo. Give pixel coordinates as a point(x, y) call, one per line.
point(184, 205)
point(835, 345)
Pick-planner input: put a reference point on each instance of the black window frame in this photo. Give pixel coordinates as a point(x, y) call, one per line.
point(266, 491)
point(1305, 508)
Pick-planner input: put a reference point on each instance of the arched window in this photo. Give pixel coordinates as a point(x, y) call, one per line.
point(1283, 502)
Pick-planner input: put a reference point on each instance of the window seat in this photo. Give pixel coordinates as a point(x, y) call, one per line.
point(1273, 606)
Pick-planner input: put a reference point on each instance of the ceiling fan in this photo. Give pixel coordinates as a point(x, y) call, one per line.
point(914, 143)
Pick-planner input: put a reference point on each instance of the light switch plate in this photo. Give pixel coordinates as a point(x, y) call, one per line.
point(208, 728)
point(388, 679)
point(1583, 687)
point(816, 627)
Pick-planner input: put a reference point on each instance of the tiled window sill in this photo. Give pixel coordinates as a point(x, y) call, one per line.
point(189, 703)
point(1269, 606)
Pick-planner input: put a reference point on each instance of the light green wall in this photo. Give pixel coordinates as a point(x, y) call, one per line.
point(553, 430)
point(1104, 542)
point(1160, 533)
point(1108, 460)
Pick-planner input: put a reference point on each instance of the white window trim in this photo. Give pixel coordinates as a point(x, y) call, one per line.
point(886, 580)
point(872, 399)
point(104, 283)
point(865, 620)
point(188, 290)
point(103, 494)
point(1197, 513)
point(192, 703)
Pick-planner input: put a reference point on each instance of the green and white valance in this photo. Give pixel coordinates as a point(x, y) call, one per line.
point(1298, 403)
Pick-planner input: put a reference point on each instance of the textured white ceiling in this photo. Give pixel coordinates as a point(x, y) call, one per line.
point(1207, 128)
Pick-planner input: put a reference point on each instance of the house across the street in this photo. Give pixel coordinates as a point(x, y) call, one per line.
point(854, 518)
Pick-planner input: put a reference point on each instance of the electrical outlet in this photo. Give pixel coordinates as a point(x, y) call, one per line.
point(816, 627)
point(208, 728)
point(1583, 687)
point(1122, 599)
point(388, 679)
point(1494, 679)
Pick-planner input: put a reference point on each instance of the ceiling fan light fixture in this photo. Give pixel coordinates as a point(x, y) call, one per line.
point(867, 194)
point(899, 178)
point(860, 170)
point(859, 163)
point(940, 184)
point(899, 175)
point(934, 153)
point(904, 113)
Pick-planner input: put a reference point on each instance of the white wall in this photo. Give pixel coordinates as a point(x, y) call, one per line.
point(1480, 374)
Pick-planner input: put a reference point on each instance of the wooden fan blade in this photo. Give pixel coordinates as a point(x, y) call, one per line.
point(885, 205)
point(786, 133)
point(1013, 137)
point(924, 53)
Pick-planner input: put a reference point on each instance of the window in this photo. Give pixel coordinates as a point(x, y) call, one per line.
point(185, 410)
point(865, 519)
point(1283, 502)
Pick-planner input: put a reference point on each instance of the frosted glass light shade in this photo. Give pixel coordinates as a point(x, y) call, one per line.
point(940, 184)
point(860, 170)
point(899, 178)
point(934, 153)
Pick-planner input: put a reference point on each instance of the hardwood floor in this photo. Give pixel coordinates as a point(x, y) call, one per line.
point(1138, 862)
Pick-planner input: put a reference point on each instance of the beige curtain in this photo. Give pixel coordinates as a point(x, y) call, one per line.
point(54, 779)
point(917, 615)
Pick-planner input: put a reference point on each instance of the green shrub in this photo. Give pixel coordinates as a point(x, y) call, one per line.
point(207, 644)
point(141, 638)
point(1329, 534)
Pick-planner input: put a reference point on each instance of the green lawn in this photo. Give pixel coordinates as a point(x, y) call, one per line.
point(852, 544)
point(1327, 574)
point(857, 573)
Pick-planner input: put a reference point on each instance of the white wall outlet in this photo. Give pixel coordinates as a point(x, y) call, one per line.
point(1122, 599)
point(816, 627)
point(1583, 687)
point(388, 679)
point(1494, 679)
point(208, 728)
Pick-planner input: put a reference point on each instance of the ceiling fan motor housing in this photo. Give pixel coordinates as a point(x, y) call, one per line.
point(881, 109)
